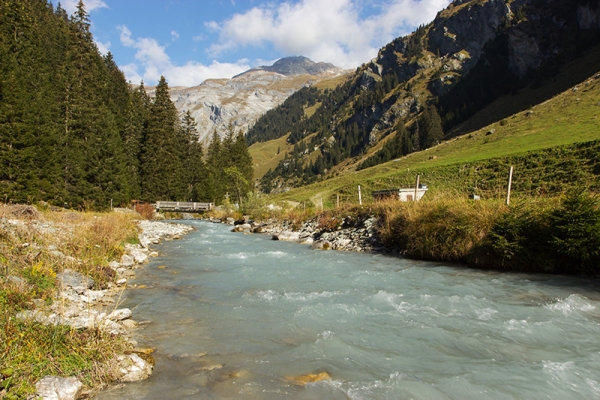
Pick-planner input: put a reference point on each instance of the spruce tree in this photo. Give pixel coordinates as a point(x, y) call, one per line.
point(164, 151)
point(196, 169)
point(215, 164)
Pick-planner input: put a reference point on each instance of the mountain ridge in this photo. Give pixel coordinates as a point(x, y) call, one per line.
point(223, 104)
point(472, 53)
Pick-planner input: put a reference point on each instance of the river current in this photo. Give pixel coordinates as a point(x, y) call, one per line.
point(236, 316)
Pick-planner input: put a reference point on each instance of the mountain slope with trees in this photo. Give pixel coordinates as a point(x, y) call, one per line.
point(74, 133)
point(428, 84)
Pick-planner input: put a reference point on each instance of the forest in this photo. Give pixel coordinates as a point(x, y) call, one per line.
point(75, 133)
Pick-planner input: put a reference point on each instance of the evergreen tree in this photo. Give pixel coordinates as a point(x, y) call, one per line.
point(163, 151)
point(215, 185)
point(430, 128)
point(196, 169)
point(133, 134)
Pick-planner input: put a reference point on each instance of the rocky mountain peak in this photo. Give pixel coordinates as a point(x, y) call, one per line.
point(297, 65)
point(217, 104)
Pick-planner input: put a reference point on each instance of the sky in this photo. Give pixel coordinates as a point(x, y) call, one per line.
point(189, 41)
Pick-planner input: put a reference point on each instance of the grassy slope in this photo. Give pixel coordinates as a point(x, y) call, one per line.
point(570, 117)
point(266, 155)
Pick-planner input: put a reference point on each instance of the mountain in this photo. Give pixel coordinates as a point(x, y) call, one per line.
point(430, 85)
point(296, 66)
point(216, 104)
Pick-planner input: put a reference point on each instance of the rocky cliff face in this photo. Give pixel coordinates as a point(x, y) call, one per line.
point(533, 33)
point(218, 103)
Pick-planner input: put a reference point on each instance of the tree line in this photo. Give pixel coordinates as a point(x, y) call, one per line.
point(74, 132)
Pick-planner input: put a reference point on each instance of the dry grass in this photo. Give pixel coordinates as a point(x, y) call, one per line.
point(442, 229)
point(34, 247)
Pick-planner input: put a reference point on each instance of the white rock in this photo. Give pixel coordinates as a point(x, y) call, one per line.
point(120, 314)
point(127, 260)
point(129, 324)
point(287, 236)
point(57, 388)
point(133, 368)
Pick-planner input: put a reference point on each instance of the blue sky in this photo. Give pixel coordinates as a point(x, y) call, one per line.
point(189, 41)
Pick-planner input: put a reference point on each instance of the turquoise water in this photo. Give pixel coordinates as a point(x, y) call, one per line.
point(235, 316)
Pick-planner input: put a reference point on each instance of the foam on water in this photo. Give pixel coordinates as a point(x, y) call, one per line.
point(235, 316)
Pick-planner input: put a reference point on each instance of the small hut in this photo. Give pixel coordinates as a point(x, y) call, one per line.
point(402, 194)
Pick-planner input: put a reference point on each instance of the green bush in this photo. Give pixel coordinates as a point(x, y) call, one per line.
point(576, 232)
point(540, 237)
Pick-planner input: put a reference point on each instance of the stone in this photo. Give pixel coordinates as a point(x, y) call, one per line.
point(302, 380)
point(321, 245)
point(127, 260)
point(287, 236)
point(133, 368)
point(120, 314)
point(140, 256)
point(121, 281)
point(129, 324)
point(57, 388)
point(74, 280)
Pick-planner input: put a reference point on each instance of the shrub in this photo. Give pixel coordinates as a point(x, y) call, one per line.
point(145, 210)
point(575, 235)
point(327, 222)
point(554, 237)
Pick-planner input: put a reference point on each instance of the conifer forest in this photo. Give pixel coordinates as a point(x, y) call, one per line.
point(75, 133)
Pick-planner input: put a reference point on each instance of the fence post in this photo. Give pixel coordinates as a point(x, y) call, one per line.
point(359, 196)
point(417, 187)
point(510, 174)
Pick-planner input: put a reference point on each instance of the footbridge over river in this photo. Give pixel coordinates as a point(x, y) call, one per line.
point(183, 206)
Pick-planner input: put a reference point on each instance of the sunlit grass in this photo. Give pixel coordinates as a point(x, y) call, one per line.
point(32, 253)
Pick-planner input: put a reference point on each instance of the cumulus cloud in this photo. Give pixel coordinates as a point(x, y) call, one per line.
point(330, 31)
point(153, 61)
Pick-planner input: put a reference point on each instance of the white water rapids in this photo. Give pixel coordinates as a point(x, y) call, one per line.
point(235, 316)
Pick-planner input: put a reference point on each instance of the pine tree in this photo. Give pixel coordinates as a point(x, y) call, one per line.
point(163, 151)
point(215, 185)
point(430, 128)
point(196, 169)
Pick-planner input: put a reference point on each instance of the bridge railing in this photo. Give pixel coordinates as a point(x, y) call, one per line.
point(183, 206)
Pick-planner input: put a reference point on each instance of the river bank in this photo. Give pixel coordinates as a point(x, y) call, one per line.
point(53, 283)
point(557, 235)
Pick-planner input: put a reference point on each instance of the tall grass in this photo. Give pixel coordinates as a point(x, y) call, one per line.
point(31, 254)
point(444, 229)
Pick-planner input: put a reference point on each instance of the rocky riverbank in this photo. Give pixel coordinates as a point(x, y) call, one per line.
point(351, 233)
point(77, 305)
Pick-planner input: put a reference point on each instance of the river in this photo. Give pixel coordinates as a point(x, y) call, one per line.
point(236, 316)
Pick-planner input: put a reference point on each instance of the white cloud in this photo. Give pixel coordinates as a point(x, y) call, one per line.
point(90, 5)
point(324, 31)
point(174, 35)
point(212, 26)
point(153, 61)
point(102, 47)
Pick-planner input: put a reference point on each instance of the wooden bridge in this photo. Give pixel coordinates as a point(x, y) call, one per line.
point(183, 206)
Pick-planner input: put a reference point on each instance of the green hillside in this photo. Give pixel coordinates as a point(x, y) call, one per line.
point(551, 145)
point(477, 63)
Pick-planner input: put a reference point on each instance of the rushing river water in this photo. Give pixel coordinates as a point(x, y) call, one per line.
point(236, 316)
